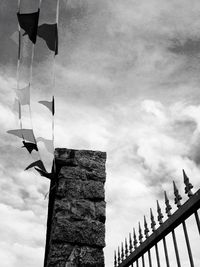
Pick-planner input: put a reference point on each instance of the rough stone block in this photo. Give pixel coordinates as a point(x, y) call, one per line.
point(79, 232)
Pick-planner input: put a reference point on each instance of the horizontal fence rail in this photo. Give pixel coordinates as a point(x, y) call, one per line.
point(132, 251)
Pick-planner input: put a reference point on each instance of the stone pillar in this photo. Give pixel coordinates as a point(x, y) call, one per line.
point(76, 219)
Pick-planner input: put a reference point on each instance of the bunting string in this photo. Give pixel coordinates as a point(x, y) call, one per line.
point(30, 79)
point(18, 68)
point(30, 83)
point(49, 33)
point(54, 85)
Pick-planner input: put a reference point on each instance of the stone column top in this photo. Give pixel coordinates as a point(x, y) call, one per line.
point(93, 162)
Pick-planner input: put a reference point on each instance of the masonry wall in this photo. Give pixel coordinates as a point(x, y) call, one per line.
point(76, 223)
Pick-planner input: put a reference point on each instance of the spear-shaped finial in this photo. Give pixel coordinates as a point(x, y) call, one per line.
point(188, 185)
point(168, 206)
point(119, 256)
point(134, 239)
point(160, 215)
point(153, 223)
point(140, 234)
point(146, 229)
point(130, 243)
point(115, 259)
point(177, 199)
point(126, 248)
point(122, 251)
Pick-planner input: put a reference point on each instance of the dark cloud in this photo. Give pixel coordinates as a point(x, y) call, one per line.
point(190, 47)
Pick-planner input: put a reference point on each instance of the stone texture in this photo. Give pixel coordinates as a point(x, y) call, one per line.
point(78, 223)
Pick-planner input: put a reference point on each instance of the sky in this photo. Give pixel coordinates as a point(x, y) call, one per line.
point(127, 82)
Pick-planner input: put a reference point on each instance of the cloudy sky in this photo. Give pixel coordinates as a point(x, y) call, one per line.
point(127, 82)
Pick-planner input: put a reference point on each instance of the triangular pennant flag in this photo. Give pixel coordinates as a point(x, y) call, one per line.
point(45, 174)
point(26, 134)
point(17, 107)
point(24, 95)
point(15, 37)
point(30, 146)
point(49, 32)
point(49, 104)
point(37, 163)
point(48, 144)
point(29, 23)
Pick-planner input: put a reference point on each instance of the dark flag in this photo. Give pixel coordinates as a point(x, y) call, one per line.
point(49, 32)
point(30, 146)
point(49, 104)
point(29, 23)
point(45, 174)
point(37, 163)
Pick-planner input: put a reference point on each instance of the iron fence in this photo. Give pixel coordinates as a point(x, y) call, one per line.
point(132, 251)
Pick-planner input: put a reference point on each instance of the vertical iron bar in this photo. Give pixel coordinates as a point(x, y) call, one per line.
point(143, 262)
point(188, 244)
point(157, 255)
point(137, 263)
point(197, 220)
point(176, 249)
point(166, 252)
point(149, 256)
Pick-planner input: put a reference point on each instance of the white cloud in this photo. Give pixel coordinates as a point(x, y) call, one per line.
point(118, 89)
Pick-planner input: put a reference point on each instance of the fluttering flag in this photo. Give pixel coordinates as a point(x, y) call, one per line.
point(49, 32)
point(37, 163)
point(45, 174)
point(30, 146)
point(24, 95)
point(49, 104)
point(48, 144)
point(29, 23)
point(26, 134)
point(15, 37)
point(17, 107)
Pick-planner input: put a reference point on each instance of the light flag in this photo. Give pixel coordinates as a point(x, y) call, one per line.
point(26, 134)
point(24, 95)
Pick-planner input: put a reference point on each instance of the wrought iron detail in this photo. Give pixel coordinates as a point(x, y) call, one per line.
point(146, 229)
point(160, 215)
point(140, 234)
point(126, 248)
point(188, 185)
point(131, 254)
point(115, 259)
point(153, 223)
point(130, 243)
point(122, 251)
point(177, 199)
point(168, 206)
point(134, 239)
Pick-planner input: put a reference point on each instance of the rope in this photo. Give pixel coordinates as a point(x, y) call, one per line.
point(18, 68)
point(54, 85)
point(30, 85)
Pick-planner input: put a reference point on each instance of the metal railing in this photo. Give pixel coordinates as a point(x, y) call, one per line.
point(132, 254)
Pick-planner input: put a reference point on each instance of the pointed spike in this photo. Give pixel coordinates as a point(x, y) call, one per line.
point(160, 215)
point(119, 256)
point(153, 223)
point(134, 239)
point(188, 185)
point(126, 248)
point(168, 206)
point(130, 243)
point(146, 229)
point(115, 259)
point(140, 234)
point(122, 251)
point(177, 199)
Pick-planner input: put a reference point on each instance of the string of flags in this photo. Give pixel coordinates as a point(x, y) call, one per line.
point(28, 23)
